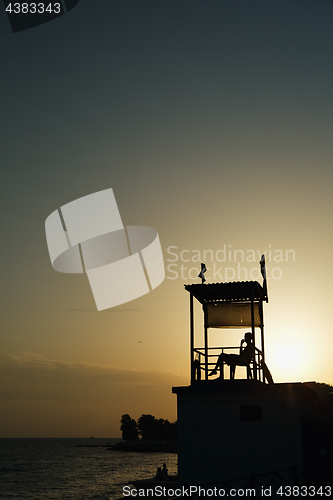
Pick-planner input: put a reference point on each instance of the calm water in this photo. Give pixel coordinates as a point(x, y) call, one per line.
point(59, 469)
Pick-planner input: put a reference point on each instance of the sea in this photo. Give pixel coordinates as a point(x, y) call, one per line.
point(73, 469)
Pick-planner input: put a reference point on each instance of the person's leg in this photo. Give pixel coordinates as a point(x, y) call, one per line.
point(222, 358)
point(233, 362)
point(214, 370)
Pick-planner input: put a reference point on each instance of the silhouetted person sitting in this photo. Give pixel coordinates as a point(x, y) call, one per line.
point(245, 356)
point(161, 475)
point(165, 470)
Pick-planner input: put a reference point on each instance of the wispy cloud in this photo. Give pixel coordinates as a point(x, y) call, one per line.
point(48, 397)
point(111, 310)
point(29, 368)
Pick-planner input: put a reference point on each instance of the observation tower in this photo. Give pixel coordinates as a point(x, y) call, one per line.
point(237, 305)
point(234, 423)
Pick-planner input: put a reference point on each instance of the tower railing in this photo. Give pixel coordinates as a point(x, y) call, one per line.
point(254, 369)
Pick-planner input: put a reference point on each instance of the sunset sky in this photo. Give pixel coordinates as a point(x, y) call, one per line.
point(211, 120)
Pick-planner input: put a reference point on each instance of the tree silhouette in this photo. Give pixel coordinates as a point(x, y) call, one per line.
point(151, 428)
point(129, 428)
point(147, 427)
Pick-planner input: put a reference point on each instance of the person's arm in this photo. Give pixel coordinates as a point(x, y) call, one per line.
point(241, 348)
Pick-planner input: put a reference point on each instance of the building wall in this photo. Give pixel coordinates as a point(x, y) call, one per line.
point(230, 434)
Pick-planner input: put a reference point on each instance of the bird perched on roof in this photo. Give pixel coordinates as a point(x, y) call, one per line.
point(202, 272)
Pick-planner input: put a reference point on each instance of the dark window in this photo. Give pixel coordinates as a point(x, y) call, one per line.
point(250, 412)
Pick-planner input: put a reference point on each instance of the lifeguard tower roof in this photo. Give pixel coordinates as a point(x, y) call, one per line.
point(228, 292)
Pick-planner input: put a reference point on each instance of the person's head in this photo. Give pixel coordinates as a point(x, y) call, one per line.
point(248, 337)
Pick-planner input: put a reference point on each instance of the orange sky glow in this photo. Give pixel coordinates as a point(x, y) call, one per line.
point(212, 123)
